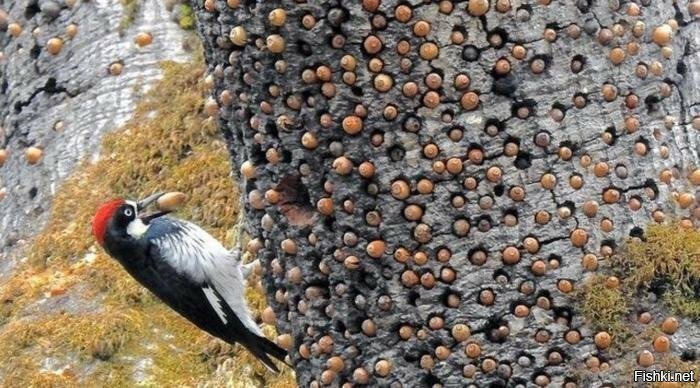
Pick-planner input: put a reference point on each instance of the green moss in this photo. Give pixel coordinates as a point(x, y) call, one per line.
point(186, 18)
point(179, 148)
point(670, 253)
point(604, 308)
point(684, 304)
point(130, 11)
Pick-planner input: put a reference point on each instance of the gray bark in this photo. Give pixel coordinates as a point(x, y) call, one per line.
point(315, 295)
point(73, 88)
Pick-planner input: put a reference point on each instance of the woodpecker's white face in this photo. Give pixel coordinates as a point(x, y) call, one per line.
point(124, 216)
point(136, 227)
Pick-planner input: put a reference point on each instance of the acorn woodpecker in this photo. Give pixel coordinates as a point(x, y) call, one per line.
point(186, 268)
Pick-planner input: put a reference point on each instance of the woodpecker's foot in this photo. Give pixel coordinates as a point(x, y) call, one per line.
point(251, 267)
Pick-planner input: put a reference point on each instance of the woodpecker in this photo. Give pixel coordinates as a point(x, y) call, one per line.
point(186, 268)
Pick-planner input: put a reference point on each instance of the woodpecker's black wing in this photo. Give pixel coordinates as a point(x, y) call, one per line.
point(192, 273)
point(204, 306)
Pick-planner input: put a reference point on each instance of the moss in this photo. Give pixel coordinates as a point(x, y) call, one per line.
point(669, 252)
point(130, 11)
point(684, 304)
point(121, 329)
point(186, 19)
point(604, 308)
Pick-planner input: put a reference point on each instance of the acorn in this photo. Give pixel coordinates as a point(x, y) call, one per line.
point(469, 101)
point(116, 68)
point(510, 255)
point(400, 189)
point(352, 125)
point(33, 155)
point(579, 237)
point(233, 4)
point(143, 39)
point(277, 17)
point(275, 43)
point(376, 248)
point(14, 29)
point(3, 156)
point(603, 340)
point(171, 201)
point(54, 45)
point(472, 350)
point(268, 316)
point(669, 325)
point(428, 51)
point(617, 56)
point(342, 165)
point(403, 13)
point(383, 82)
point(662, 35)
point(238, 36)
point(382, 368)
point(645, 358)
point(477, 7)
point(421, 28)
point(662, 344)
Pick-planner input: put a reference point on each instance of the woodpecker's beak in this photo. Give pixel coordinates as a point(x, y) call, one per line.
point(144, 203)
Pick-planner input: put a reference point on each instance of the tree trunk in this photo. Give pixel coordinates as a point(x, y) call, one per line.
point(427, 181)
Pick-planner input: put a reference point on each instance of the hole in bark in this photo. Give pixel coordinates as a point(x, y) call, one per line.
point(563, 312)
point(689, 355)
point(578, 62)
point(32, 192)
point(412, 124)
point(651, 184)
point(396, 153)
point(492, 327)
point(505, 85)
point(637, 232)
point(470, 53)
point(356, 90)
point(412, 297)
point(613, 134)
point(304, 48)
point(430, 380)
point(570, 205)
point(500, 273)
point(497, 38)
point(523, 160)
point(652, 103)
point(499, 190)
point(681, 68)
point(35, 51)
point(31, 10)
point(493, 126)
point(478, 256)
point(523, 109)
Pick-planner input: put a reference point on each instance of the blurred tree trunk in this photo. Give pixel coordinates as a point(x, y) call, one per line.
point(420, 171)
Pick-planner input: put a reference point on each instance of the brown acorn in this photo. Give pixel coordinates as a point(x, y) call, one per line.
point(54, 45)
point(33, 155)
point(143, 39)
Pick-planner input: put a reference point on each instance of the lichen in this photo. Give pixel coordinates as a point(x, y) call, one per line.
point(115, 332)
point(186, 19)
point(130, 11)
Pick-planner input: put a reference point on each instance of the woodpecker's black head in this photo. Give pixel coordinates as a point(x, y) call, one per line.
point(124, 217)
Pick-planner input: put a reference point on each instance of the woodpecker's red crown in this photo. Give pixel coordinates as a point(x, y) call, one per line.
point(102, 217)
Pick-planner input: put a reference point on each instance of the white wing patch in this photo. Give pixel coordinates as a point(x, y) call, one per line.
point(195, 253)
point(215, 302)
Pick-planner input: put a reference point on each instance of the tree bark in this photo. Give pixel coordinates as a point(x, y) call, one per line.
point(413, 167)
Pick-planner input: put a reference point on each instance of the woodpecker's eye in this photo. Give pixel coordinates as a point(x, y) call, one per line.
point(128, 212)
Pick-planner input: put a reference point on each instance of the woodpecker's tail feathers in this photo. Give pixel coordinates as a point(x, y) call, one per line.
point(263, 348)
